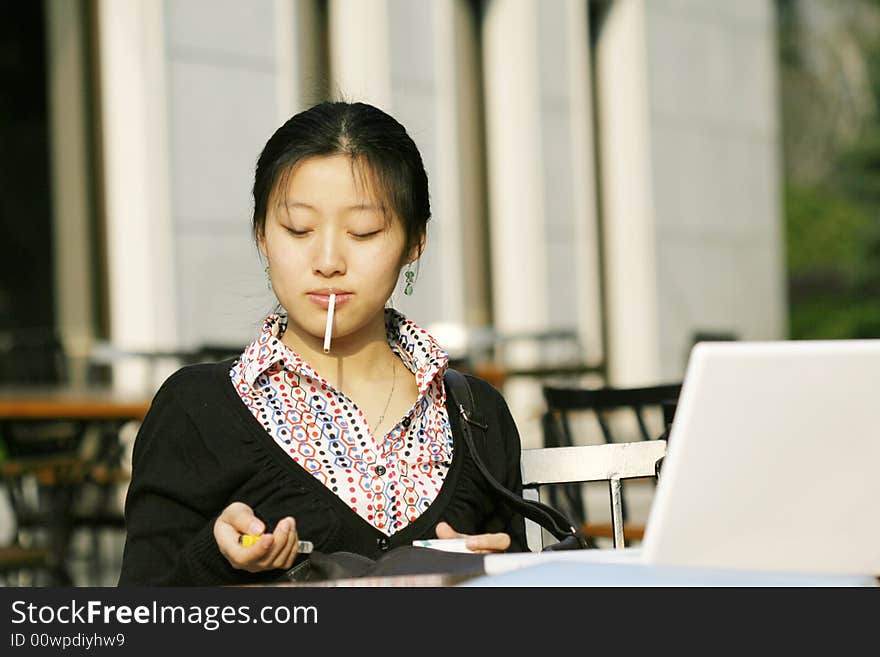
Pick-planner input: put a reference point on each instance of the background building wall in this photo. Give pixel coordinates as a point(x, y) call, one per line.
point(542, 220)
point(499, 97)
point(693, 206)
point(223, 104)
point(716, 149)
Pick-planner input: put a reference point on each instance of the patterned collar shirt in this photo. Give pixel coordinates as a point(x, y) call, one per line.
point(387, 480)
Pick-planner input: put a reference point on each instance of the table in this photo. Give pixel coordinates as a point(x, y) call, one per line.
point(70, 403)
point(592, 568)
point(498, 375)
point(613, 568)
point(427, 580)
point(59, 466)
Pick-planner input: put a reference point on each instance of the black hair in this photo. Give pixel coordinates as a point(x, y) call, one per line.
point(369, 137)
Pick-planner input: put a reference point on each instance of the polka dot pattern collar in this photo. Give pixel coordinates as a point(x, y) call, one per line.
point(387, 480)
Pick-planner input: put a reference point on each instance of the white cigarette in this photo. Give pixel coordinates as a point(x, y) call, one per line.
point(329, 329)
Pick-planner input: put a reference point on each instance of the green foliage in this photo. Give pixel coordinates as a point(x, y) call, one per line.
point(857, 173)
point(834, 316)
point(833, 252)
point(822, 233)
point(833, 226)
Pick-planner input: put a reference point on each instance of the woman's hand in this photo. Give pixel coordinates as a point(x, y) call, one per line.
point(481, 543)
point(271, 551)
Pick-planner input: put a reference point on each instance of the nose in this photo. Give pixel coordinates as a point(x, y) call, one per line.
point(329, 259)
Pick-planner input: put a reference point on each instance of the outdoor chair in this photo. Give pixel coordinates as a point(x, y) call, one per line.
point(589, 463)
point(607, 405)
point(22, 566)
point(59, 473)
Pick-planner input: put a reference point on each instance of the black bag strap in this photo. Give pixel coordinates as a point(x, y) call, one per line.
point(549, 518)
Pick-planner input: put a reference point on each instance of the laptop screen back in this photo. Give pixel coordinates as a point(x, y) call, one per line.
point(773, 460)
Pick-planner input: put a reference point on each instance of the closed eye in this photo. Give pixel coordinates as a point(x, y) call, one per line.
point(365, 235)
point(295, 232)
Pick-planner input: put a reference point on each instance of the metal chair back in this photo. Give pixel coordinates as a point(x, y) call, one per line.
point(562, 405)
point(588, 463)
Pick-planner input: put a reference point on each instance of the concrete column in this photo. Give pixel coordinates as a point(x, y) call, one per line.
point(471, 212)
point(446, 183)
point(135, 180)
point(628, 210)
point(587, 265)
point(516, 201)
point(542, 192)
point(288, 64)
point(453, 275)
point(71, 181)
point(298, 42)
point(545, 252)
point(359, 60)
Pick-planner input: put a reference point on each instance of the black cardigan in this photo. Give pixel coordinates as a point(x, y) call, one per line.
point(199, 449)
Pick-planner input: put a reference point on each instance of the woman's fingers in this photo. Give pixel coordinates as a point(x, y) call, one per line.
point(259, 551)
point(242, 518)
point(276, 549)
point(284, 530)
point(475, 542)
point(445, 530)
point(235, 520)
point(229, 540)
point(287, 554)
point(488, 542)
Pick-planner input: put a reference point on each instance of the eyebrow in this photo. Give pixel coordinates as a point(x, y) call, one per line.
point(359, 206)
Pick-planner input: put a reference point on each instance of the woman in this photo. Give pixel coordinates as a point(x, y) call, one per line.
point(351, 447)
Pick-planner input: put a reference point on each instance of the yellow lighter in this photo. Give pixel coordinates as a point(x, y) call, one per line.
point(246, 540)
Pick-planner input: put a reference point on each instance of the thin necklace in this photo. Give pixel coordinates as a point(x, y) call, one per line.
point(390, 395)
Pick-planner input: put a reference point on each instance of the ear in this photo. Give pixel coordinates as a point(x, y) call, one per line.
point(417, 250)
point(261, 243)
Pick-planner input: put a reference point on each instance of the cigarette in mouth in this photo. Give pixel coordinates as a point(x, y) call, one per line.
point(329, 327)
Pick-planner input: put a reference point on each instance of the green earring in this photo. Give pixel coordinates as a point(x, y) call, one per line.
point(410, 275)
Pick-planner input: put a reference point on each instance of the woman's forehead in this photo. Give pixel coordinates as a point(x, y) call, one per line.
point(338, 177)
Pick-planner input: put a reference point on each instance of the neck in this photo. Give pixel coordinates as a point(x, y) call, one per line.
point(359, 359)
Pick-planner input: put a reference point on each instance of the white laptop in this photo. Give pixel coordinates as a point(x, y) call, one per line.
point(773, 462)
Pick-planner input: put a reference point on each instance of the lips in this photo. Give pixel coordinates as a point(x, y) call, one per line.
point(322, 298)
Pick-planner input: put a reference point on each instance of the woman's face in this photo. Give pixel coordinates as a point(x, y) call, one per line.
point(325, 233)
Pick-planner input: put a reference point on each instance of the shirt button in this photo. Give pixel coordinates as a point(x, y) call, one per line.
point(383, 543)
point(380, 470)
point(406, 422)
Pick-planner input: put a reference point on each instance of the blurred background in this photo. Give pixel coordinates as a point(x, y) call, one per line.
point(612, 181)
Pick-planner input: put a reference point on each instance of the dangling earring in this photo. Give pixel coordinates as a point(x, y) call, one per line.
point(410, 275)
point(268, 278)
